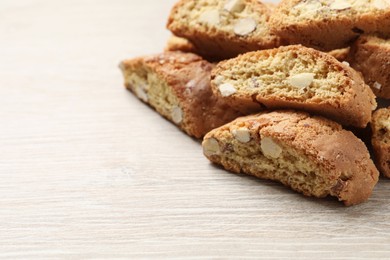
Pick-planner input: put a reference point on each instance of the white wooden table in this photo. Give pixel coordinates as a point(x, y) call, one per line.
point(88, 171)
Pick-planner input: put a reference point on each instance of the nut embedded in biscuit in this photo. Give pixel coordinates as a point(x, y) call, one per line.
point(227, 89)
point(210, 17)
point(242, 134)
point(234, 6)
point(381, 4)
point(377, 85)
point(219, 80)
point(301, 80)
point(211, 147)
point(270, 148)
point(340, 5)
point(245, 26)
point(141, 94)
point(177, 115)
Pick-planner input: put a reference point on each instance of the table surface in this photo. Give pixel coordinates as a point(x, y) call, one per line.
point(88, 171)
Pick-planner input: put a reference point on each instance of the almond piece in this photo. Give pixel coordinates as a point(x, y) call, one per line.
point(210, 17)
point(302, 80)
point(381, 4)
point(245, 26)
point(234, 6)
point(377, 85)
point(340, 5)
point(308, 8)
point(242, 134)
point(177, 115)
point(227, 89)
point(219, 80)
point(141, 94)
point(270, 148)
point(211, 147)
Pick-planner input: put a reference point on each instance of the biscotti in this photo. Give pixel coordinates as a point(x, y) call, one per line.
point(223, 29)
point(380, 126)
point(312, 155)
point(177, 85)
point(371, 56)
point(329, 24)
point(294, 77)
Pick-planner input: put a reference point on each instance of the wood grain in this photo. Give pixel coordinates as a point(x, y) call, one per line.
point(87, 171)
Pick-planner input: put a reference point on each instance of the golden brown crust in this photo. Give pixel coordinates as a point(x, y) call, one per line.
point(316, 24)
point(380, 126)
point(339, 159)
point(219, 41)
point(185, 78)
point(350, 104)
point(371, 56)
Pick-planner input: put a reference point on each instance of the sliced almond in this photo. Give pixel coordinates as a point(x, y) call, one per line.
point(177, 115)
point(340, 5)
point(245, 26)
point(307, 8)
point(242, 134)
point(270, 148)
point(377, 85)
point(381, 4)
point(234, 6)
point(141, 94)
point(219, 80)
point(210, 17)
point(227, 89)
point(211, 147)
point(302, 80)
point(361, 3)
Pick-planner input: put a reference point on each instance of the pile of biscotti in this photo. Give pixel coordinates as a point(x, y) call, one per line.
point(271, 89)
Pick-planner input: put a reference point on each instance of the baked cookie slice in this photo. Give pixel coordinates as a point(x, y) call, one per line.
point(380, 126)
point(371, 56)
point(295, 77)
point(329, 24)
point(177, 85)
point(221, 29)
point(312, 155)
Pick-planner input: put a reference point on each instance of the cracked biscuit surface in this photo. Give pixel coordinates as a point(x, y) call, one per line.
point(312, 155)
point(294, 77)
point(177, 85)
